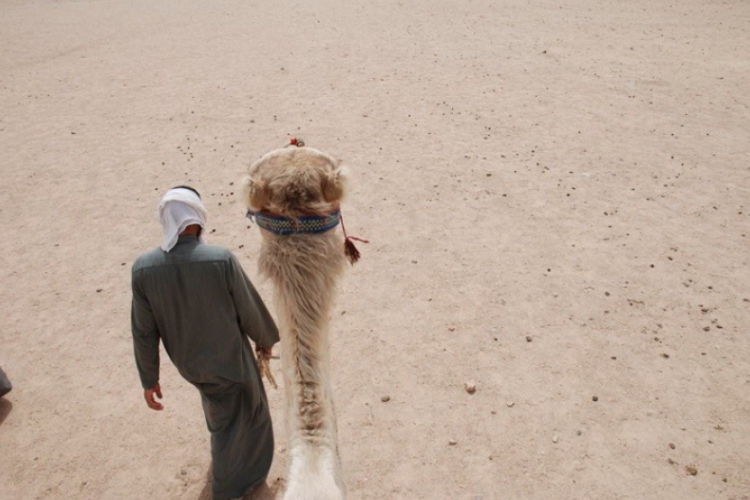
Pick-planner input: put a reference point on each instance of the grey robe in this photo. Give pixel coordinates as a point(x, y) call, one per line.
point(202, 306)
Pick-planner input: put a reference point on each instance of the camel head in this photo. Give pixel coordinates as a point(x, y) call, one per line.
point(294, 181)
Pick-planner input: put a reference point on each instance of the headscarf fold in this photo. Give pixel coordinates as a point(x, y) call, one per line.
point(178, 209)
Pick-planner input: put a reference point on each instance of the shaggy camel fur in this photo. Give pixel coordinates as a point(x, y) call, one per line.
point(296, 182)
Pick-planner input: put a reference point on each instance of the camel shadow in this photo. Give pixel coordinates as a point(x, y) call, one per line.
point(5, 409)
point(261, 492)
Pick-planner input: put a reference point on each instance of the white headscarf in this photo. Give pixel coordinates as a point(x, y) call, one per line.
point(178, 209)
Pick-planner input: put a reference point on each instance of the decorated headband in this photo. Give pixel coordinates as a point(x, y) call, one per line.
point(306, 224)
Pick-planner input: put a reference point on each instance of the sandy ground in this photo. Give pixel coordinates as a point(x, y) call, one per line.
point(557, 195)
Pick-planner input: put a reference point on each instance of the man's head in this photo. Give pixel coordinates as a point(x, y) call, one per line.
point(181, 212)
point(189, 189)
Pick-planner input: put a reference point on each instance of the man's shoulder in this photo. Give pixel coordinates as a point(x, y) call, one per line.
point(211, 253)
point(198, 253)
point(148, 259)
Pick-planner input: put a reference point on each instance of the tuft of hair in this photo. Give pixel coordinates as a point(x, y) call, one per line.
point(294, 181)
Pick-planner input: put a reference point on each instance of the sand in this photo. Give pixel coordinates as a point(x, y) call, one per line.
point(557, 196)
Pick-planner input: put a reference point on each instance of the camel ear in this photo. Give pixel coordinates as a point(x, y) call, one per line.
point(254, 193)
point(334, 185)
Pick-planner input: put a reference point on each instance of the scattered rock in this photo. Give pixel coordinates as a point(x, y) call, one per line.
point(555, 439)
point(510, 404)
point(452, 442)
point(470, 387)
point(691, 469)
point(672, 446)
point(385, 399)
point(665, 355)
point(528, 338)
point(99, 290)
point(595, 398)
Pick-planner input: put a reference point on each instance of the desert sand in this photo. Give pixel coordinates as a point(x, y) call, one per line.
point(557, 195)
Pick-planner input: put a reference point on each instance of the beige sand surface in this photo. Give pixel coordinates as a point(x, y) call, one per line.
point(575, 173)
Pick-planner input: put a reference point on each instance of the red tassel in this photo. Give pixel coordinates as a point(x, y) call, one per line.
point(351, 251)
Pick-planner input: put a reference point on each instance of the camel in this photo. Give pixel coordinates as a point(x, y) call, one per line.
point(294, 196)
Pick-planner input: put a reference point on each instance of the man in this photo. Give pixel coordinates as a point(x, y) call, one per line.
point(199, 302)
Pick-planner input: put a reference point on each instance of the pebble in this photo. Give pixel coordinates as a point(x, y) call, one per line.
point(452, 442)
point(385, 399)
point(692, 470)
point(671, 445)
point(510, 404)
point(555, 439)
point(470, 387)
point(528, 338)
point(595, 398)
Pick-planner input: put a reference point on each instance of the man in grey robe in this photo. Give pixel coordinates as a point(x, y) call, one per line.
point(199, 302)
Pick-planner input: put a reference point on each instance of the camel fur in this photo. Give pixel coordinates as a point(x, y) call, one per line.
point(304, 269)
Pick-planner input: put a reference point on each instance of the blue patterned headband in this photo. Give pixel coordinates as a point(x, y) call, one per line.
point(284, 226)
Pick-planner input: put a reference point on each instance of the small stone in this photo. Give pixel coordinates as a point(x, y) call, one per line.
point(385, 399)
point(470, 387)
point(672, 446)
point(452, 442)
point(510, 404)
point(183, 472)
point(555, 439)
point(528, 338)
point(99, 290)
point(665, 355)
point(578, 433)
point(595, 398)
point(691, 469)
point(670, 461)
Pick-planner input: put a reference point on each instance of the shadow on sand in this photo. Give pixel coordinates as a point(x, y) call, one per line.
point(261, 492)
point(5, 408)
